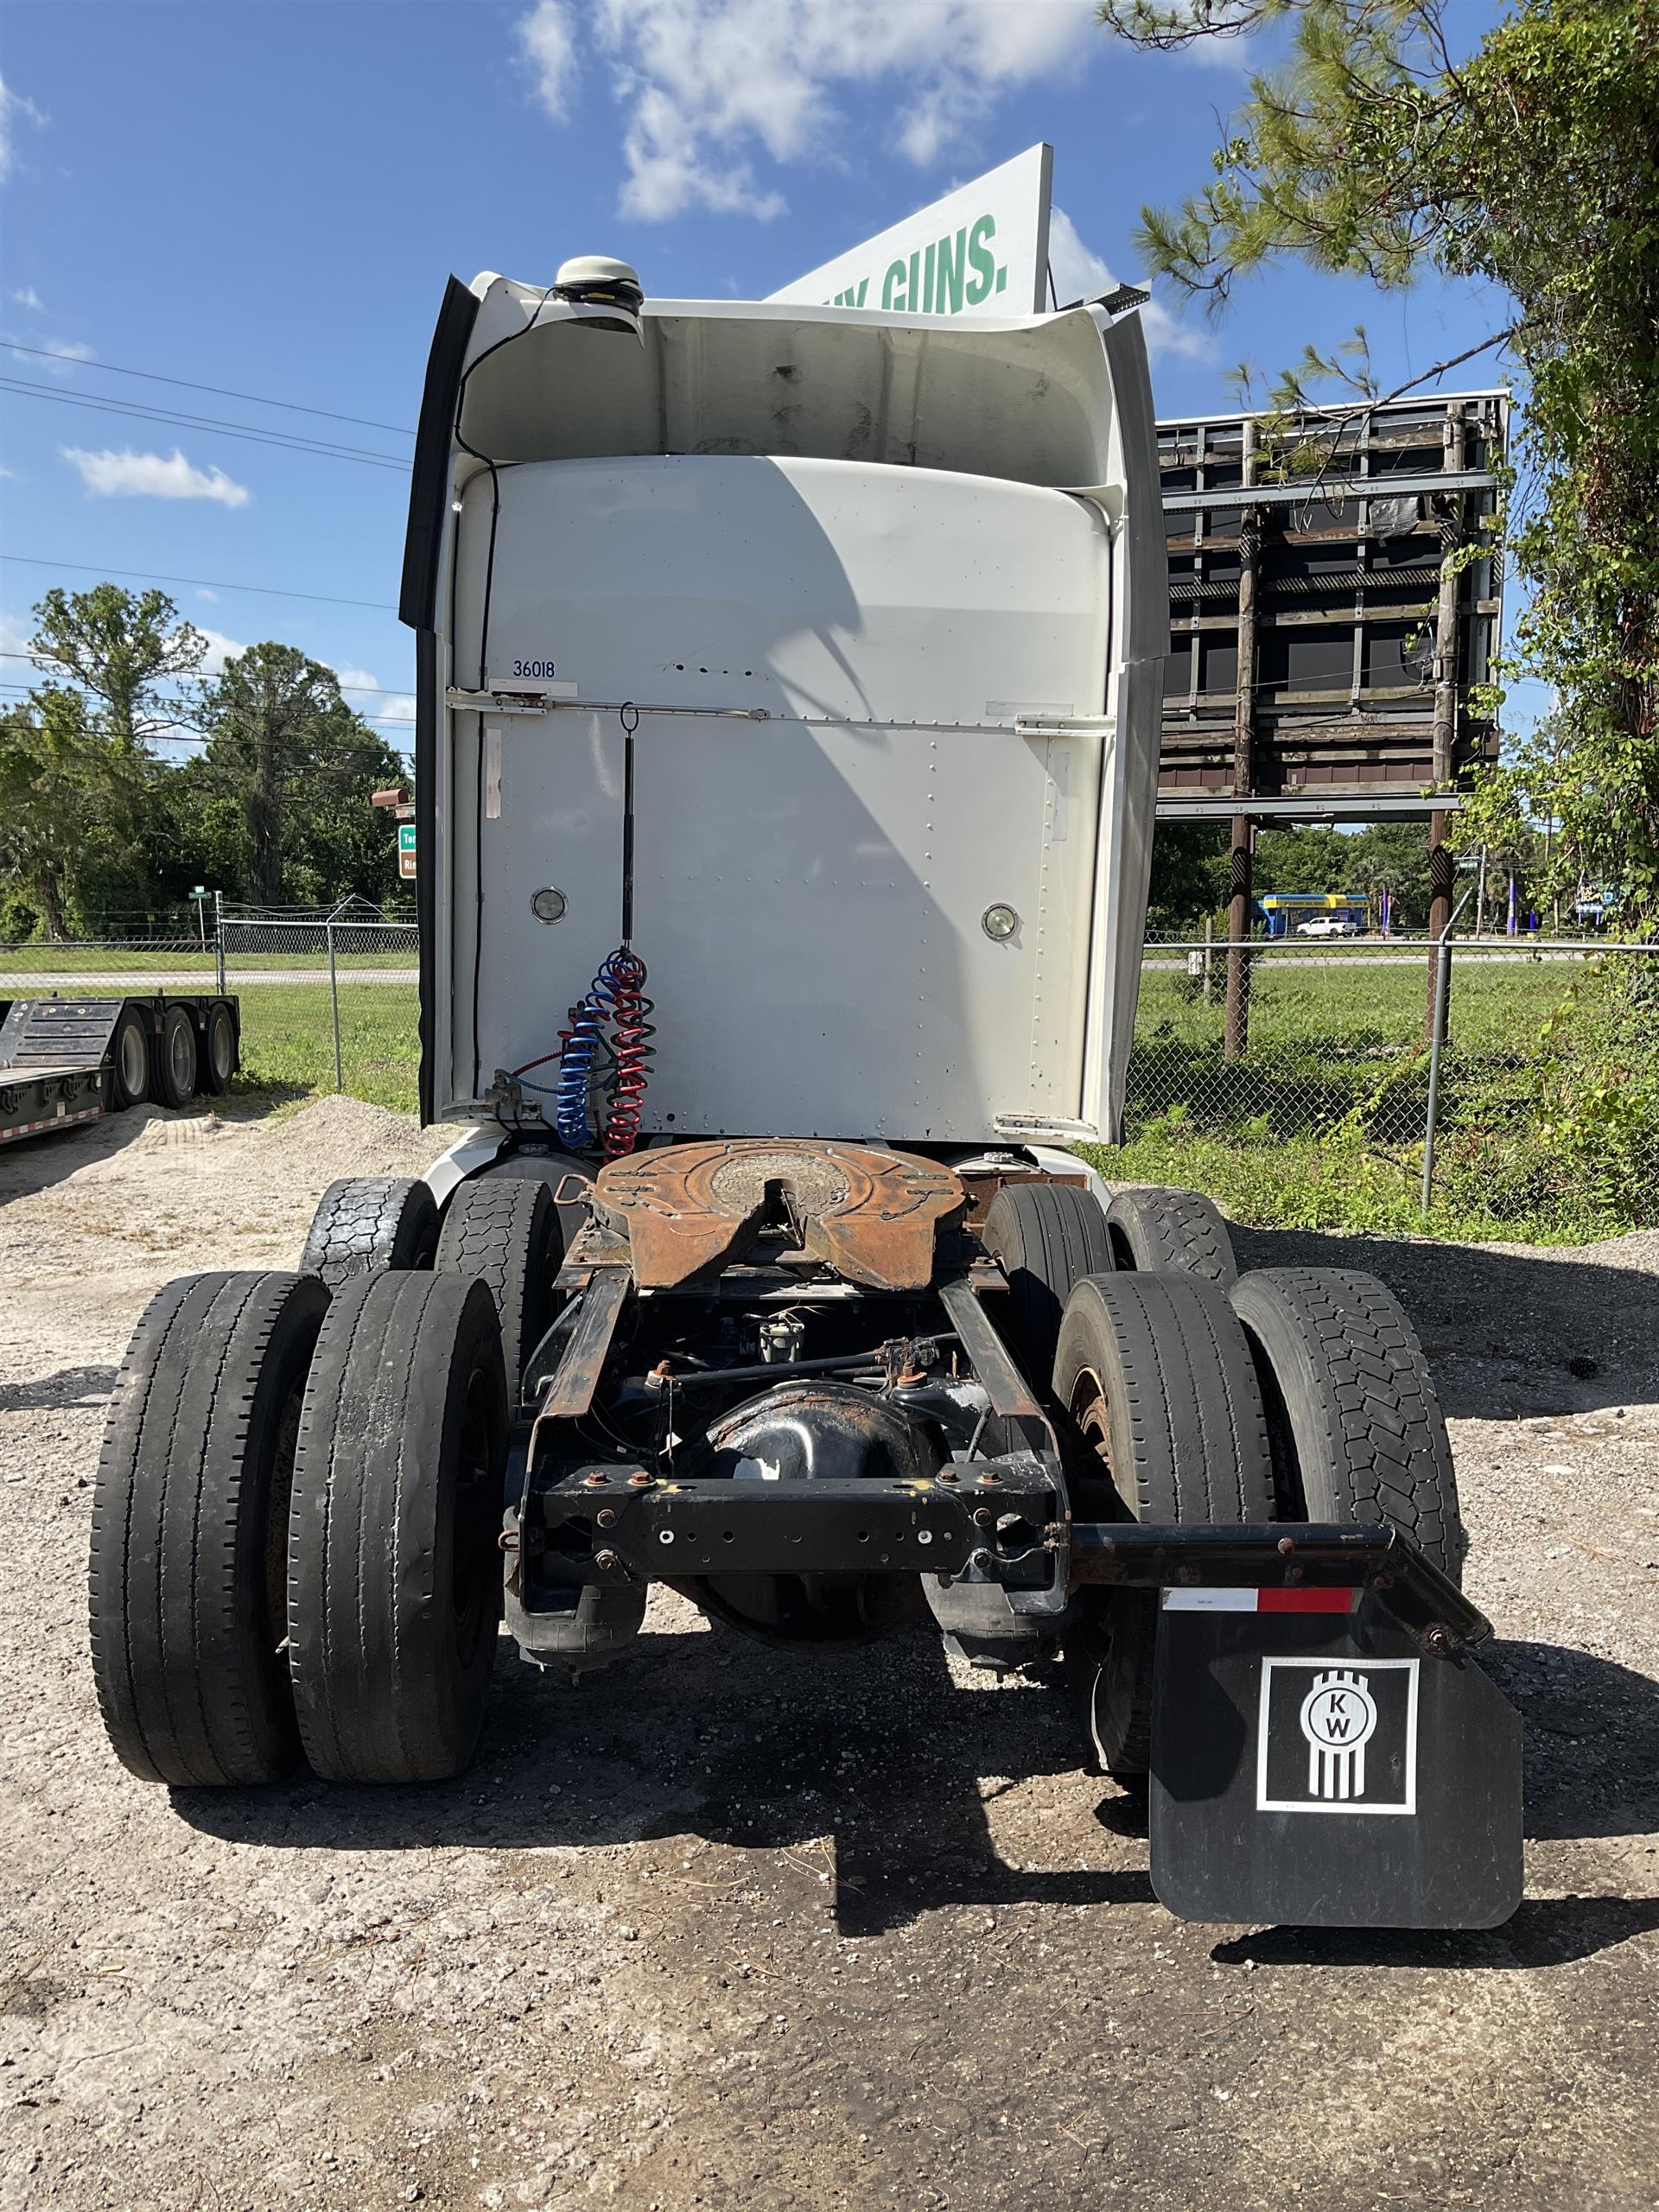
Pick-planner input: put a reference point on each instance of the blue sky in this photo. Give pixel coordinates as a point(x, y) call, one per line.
point(268, 196)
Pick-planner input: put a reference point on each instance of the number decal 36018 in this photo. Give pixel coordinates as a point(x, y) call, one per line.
point(534, 668)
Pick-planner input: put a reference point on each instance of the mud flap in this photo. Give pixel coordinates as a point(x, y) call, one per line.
point(1317, 1767)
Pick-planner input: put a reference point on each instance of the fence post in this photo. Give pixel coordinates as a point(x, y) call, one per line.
point(1209, 941)
point(1442, 976)
point(333, 993)
point(219, 938)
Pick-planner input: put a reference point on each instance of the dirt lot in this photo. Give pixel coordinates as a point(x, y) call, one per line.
point(720, 1929)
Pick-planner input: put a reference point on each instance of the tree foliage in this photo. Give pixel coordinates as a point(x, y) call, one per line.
point(118, 648)
point(273, 808)
point(1530, 164)
point(1189, 876)
point(297, 765)
point(68, 791)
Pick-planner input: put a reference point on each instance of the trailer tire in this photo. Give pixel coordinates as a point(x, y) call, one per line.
point(505, 1231)
point(189, 1528)
point(173, 1058)
point(370, 1221)
point(1356, 1430)
point(1178, 1230)
point(218, 1050)
point(1155, 1373)
point(1046, 1238)
point(394, 1566)
point(129, 1060)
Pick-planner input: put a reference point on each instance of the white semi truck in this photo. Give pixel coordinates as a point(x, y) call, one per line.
point(789, 695)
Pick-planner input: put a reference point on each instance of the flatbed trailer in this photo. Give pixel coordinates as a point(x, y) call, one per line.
point(816, 653)
point(68, 1061)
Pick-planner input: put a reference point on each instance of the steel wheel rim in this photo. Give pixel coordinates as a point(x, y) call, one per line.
point(132, 1059)
point(1092, 1415)
point(180, 1057)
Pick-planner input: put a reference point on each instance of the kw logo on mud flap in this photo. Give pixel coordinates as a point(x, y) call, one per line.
point(1336, 1738)
point(1338, 1719)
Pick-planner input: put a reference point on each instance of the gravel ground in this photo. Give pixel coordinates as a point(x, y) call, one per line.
point(720, 1929)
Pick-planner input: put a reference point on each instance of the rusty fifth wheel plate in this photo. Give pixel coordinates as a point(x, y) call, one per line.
point(689, 1210)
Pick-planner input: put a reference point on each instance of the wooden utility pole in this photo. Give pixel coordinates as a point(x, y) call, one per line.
point(1446, 656)
point(1237, 1033)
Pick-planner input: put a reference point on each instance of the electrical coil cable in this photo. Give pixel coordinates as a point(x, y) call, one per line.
point(630, 1009)
point(579, 1046)
point(614, 1016)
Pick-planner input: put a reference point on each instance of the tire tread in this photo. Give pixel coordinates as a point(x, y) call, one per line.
point(370, 1221)
point(1179, 1230)
point(1383, 1448)
point(181, 1690)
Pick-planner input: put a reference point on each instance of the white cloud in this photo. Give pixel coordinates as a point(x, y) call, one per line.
point(706, 85)
point(220, 649)
point(58, 356)
point(154, 475)
point(550, 51)
point(1235, 50)
point(13, 106)
point(1080, 274)
point(15, 634)
point(389, 706)
point(211, 596)
point(30, 298)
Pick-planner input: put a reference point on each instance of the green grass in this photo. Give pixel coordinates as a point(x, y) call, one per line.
point(1549, 1102)
point(287, 1041)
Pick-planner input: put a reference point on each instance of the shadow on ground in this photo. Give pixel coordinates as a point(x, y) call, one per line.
point(703, 1735)
point(1545, 1932)
point(1509, 1334)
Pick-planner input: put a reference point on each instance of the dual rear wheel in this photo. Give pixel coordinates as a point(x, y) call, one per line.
point(299, 1502)
point(1191, 1394)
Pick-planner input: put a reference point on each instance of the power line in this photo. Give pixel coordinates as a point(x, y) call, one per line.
point(134, 411)
point(222, 391)
point(203, 583)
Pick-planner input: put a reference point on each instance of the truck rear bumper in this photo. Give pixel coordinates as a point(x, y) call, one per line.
point(1325, 1750)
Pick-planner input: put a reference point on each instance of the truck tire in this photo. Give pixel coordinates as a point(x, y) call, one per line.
point(219, 1051)
point(173, 1058)
point(189, 1525)
point(504, 1231)
point(1155, 1373)
point(129, 1060)
point(1356, 1430)
point(1179, 1230)
point(1046, 1238)
point(394, 1565)
point(370, 1221)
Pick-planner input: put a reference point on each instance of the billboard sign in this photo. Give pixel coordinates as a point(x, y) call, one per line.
point(982, 249)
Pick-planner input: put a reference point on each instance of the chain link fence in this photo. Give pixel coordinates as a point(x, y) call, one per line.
point(1543, 1040)
point(329, 997)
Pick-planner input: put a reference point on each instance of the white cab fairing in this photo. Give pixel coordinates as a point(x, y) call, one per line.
point(880, 694)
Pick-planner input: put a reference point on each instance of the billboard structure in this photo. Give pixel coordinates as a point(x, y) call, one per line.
point(982, 249)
